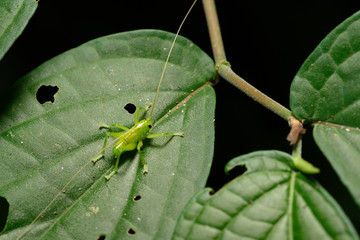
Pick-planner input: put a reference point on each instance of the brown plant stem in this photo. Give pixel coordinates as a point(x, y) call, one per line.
point(224, 70)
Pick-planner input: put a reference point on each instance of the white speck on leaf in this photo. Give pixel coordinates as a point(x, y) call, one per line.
point(94, 209)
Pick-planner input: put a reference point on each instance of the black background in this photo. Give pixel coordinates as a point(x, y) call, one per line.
point(265, 41)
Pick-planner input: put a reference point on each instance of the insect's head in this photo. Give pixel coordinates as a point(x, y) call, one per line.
point(145, 125)
point(148, 123)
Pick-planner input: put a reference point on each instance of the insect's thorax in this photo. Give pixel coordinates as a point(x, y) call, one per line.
point(139, 131)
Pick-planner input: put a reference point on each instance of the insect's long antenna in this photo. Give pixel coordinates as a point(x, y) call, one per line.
point(168, 56)
point(89, 161)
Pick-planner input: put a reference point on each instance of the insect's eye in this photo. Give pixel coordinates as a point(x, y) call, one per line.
point(150, 126)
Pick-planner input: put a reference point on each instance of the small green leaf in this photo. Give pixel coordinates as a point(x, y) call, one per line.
point(269, 201)
point(44, 145)
point(14, 16)
point(327, 90)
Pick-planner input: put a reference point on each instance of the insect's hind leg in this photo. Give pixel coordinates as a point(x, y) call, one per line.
point(181, 134)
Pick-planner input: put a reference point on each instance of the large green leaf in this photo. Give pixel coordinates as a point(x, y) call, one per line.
point(327, 90)
point(43, 145)
point(270, 201)
point(14, 15)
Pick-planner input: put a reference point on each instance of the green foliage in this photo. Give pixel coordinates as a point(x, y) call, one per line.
point(270, 201)
point(327, 90)
point(14, 15)
point(44, 145)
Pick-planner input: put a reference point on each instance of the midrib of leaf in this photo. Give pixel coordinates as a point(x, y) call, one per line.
point(291, 204)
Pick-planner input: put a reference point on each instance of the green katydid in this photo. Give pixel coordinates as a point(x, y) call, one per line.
point(129, 140)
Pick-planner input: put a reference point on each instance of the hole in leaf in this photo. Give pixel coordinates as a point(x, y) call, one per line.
point(46, 94)
point(131, 231)
point(4, 212)
point(136, 198)
point(102, 237)
point(130, 107)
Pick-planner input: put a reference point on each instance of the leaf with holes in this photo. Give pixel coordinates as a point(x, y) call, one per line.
point(326, 92)
point(14, 16)
point(270, 201)
point(44, 145)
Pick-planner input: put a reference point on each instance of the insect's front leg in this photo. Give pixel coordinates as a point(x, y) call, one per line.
point(148, 105)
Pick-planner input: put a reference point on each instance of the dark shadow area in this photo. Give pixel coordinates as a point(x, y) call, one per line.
point(4, 211)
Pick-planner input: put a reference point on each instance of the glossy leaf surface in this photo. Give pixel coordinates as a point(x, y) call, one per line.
point(270, 201)
point(44, 145)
